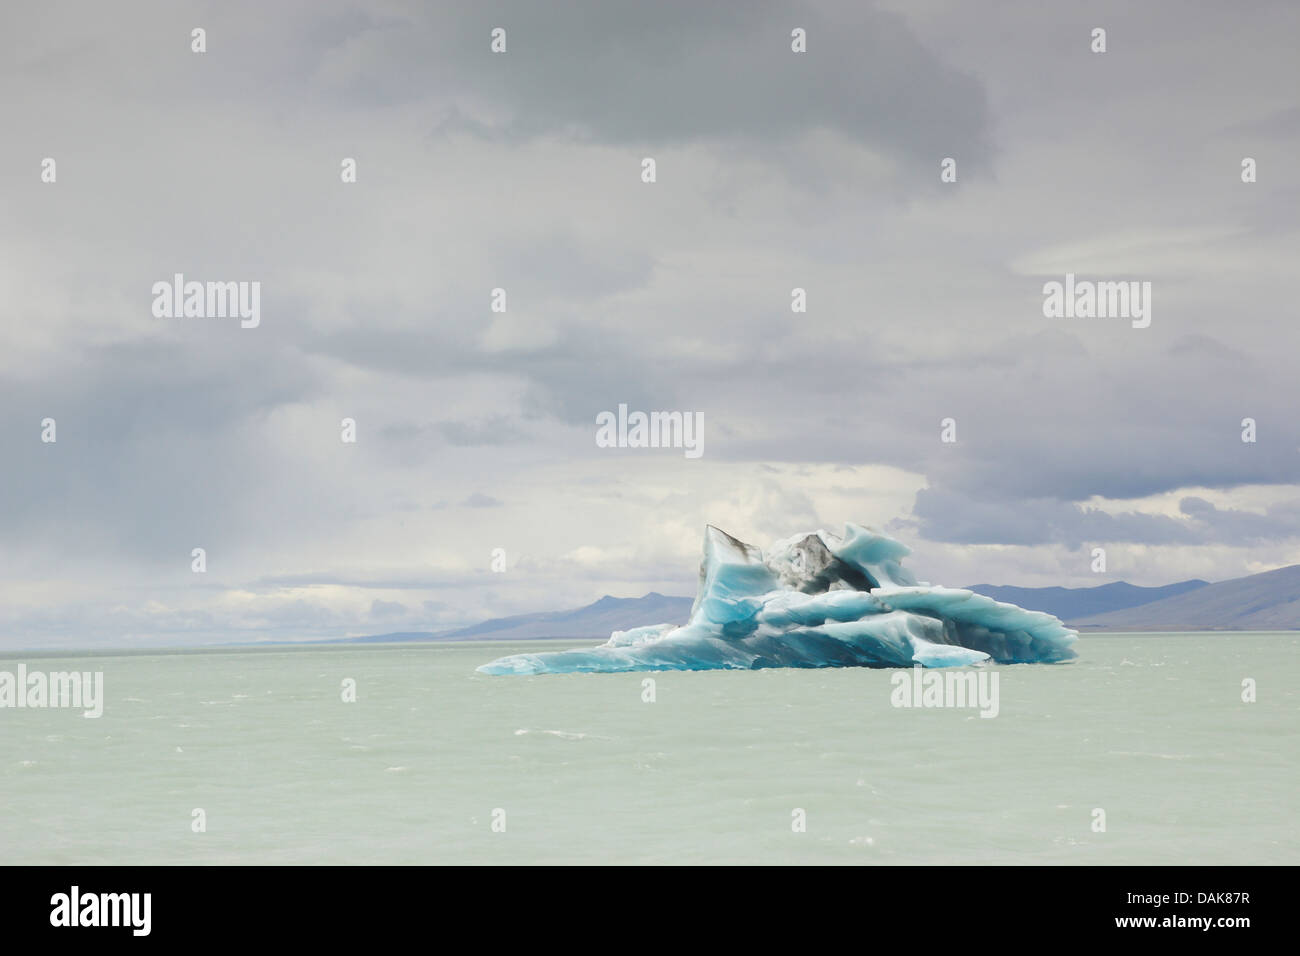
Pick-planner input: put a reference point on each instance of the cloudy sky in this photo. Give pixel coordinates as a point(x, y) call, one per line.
point(522, 170)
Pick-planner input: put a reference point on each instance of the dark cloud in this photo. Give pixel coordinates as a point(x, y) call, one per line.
point(1233, 526)
point(958, 519)
point(498, 430)
point(948, 516)
point(633, 73)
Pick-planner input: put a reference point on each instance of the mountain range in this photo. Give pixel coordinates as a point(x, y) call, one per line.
point(595, 620)
point(1266, 601)
point(1075, 604)
point(1269, 601)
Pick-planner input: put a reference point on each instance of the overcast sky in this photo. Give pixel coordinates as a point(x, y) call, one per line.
point(522, 170)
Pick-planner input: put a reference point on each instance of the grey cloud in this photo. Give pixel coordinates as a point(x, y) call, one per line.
point(951, 517)
point(386, 610)
point(628, 72)
point(1234, 526)
point(151, 454)
point(497, 430)
point(562, 266)
point(958, 519)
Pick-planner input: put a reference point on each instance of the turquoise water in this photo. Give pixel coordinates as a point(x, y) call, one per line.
point(1149, 728)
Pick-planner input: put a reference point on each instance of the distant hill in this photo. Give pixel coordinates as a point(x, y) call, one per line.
point(1267, 601)
point(1259, 602)
point(593, 621)
point(1071, 604)
point(391, 638)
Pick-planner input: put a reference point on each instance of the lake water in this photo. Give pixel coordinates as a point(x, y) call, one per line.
point(1151, 729)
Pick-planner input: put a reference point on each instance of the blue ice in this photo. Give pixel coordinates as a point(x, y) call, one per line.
point(817, 600)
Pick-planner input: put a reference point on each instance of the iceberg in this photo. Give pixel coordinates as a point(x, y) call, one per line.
point(817, 600)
